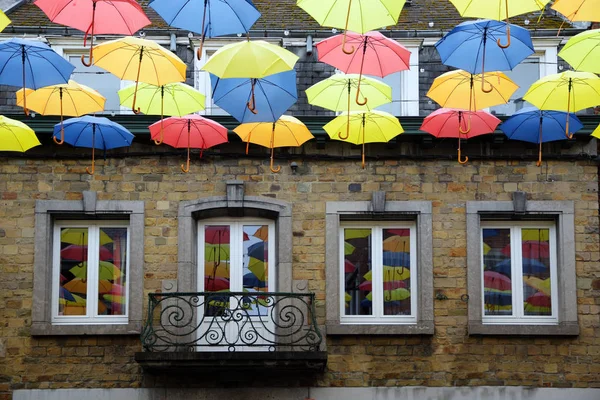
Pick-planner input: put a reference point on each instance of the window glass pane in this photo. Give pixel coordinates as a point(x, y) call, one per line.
point(524, 75)
point(395, 82)
point(102, 81)
point(497, 273)
point(217, 262)
point(357, 272)
point(256, 267)
point(536, 271)
point(396, 272)
point(72, 297)
point(112, 271)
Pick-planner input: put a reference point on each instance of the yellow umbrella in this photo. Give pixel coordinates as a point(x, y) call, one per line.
point(335, 92)
point(391, 274)
point(250, 59)
point(71, 99)
point(355, 15)
point(79, 236)
point(393, 295)
point(16, 136)
point(568, 91)
point(596, 132)
point(173, 99)
point(540, 235)
point(582, 51)
point(578, 10)
point(348, 249)
point(397, 244)
point(285, 132)
point(107, 271)
point(498, 10)
point(262, 233)
point(538, 284)
point(350, 234)
point(258, 268)
point(4, 21)
point(139, 60)
point(365, 127)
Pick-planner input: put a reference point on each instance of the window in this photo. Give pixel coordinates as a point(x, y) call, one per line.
point(521, 267)
point(379, 271)
point(378, 284)
point(88, 267)
point(519, 273)
point(90, 272)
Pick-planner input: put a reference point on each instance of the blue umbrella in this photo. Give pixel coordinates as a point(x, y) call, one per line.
point(540, 126)
point(65, 294)
point(255, 100)
point(471, 46)
point(530, 267)
point(497, 298)
point(31, 64)
point(257, 250)
point(95, 132)
point(396, 259)
point(251, 281)
point(219, 17)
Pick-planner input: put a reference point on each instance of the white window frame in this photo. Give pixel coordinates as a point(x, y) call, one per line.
point(91, 317)
point(518, 316)
point(378, 316)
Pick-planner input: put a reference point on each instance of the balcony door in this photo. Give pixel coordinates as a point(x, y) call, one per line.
point(235, 257)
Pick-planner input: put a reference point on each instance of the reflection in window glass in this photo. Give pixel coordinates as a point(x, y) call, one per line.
point(256, 267)
point(217, 273)
point(72, 299)
point(396, 272)
point(535, 248)
point(357, 272)
point(497, 272)
point(112, 271)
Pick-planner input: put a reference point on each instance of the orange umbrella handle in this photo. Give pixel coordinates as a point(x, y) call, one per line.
point(199, 51)
point(507, 45)
point(91, 172)
point(569, 135)
point(186, 169)
point(483, 89)
point(348, 121)
point(346, 30)
point(459, 160)
point(362, 63)
point(274, 170)
point(91, 57)
point(137, 79)
point(468, 126)
point(162, 101)
point(252, 103)
point(363, 143)
point(24, 93)
point(539, 161)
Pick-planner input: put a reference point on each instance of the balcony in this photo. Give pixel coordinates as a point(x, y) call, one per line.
point(209, 331)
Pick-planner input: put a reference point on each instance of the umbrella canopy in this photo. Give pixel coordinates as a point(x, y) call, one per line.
point(471, 47)
point(457, 89)
point(215, 284)
point(72, 99)
point(255, 99)
point(79, 236)
point(540, 299)
point(258, 267)
point(335, 93)
point(541, 285)
point(78, 285)
point(31, 64)
point(578, 10)
point(397, 243)
point(455, 123)
point(495, 280)
point(16, 136)
point(567, 91)
point(189, 131)
point(530, 267)
point(251, 281)
point(365, 127)
point(397, 258)
point(173, 99)
point(596, 132)
point(219, 17)
point(95, 132)
point(80, 253)
point(287, 131)
point(106, 270)
point(582, 51)
point(391, 274)
point(358, 15)
point(367, 286)
point(4, 21)
point(539, 126)
point(250, 59)
point(531, 249)
point(215, 234)
point(139, 60)
point(96, 17)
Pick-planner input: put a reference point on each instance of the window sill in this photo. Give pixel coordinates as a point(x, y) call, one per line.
point(423, 328)
point(46, 329)
point(561, 329)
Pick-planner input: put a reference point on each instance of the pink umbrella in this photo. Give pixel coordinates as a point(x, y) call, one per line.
point(215, 284)
point(495, 280)
point(80, 253)
point(454, 123)
point(219, 235)
point(390, 285)
point(532, 249)
point(96, 17)
point(349, 267)
point(540, 300)
point(375, 55)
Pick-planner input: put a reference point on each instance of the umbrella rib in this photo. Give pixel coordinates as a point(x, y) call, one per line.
point(14, 55)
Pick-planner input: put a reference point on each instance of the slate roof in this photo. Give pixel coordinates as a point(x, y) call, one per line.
point(285, 14)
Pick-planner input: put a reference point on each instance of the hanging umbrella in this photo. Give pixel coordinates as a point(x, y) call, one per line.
point(78, 285)
point(139, 60)
point(397, 258)
point(215, 234)
point(251, 281)
point(79, 236)
point(455, 123)
point(538, 126)
point(353, 15)
point(456, 89)
point(173, 99)
point(255, 99)
point(287, 131)
point(540, 299)
point(95, 132)
point(541, 285)
point(106, 270)
point(31, 64)
point(531, 249)
point(335, 92)
point(568, 91)
point(219, 17)
point(258, 251)
point(596, 132)
point(391, 274)
point(582, 51)
point(215, 284)
point(250, 59)
point(365, 127)
point(377, 55)
point(498, 10)
point(4, 21)
point(578, 10)
point(258, 267)
point(80, 253)
point(530, 267)
point(495, 280)
point(262, 233)
point(189, 131)
point(65, 294)
point(72, 99)
point(497, 298)
point(95, 17)
point(367, 286)
point(471, 47)
point(16, 136)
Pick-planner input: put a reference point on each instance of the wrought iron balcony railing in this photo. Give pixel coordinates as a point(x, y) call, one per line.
point(231, 321)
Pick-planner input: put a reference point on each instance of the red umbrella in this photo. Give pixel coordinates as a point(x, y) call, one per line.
point(375, 55)
point(390, 285)
point(189, 131)
point(540, 300)
point(80, 253)
point(461, 124)
point(495, 280)
point(96, 17)
point(219, 235)
point(349, 267)
point(531, 249)
point(214, 284)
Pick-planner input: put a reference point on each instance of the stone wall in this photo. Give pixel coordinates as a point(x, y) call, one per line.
point(448, 358)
